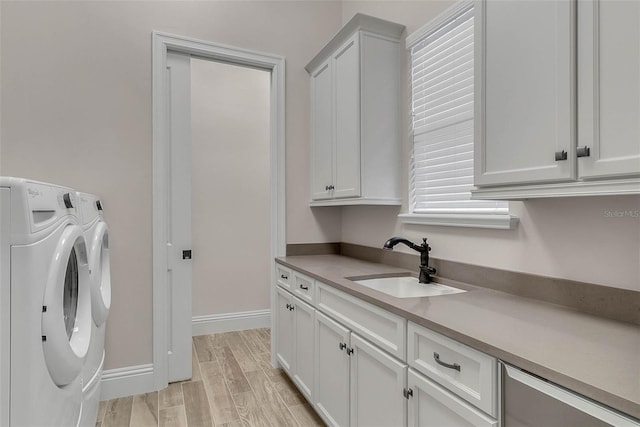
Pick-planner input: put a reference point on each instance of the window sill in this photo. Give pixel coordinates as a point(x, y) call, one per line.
point(499, 222)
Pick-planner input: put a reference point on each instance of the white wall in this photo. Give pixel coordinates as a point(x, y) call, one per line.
point(231, 194)
point(571, 238)
point(76, 110)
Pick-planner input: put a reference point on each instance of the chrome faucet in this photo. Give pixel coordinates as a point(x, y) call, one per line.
point(423, 249)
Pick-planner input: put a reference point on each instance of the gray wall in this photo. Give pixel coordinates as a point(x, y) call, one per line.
point(76, 110)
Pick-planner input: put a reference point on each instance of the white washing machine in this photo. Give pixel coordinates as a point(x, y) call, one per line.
point(45, 304)
point(97, 236)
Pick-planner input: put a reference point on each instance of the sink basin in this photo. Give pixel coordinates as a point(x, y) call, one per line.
point(407, 287)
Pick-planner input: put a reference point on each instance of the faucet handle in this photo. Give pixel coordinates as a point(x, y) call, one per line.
point(425, 244)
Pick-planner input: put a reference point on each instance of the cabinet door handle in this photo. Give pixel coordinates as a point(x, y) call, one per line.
point(288, 306)
point(329, 187)
point(342, 346)
point(455, 366)
point(349, 351)
point(583, 151)
point(291, 308)
point(561, 155)
point(283, 276)
point(304, 288)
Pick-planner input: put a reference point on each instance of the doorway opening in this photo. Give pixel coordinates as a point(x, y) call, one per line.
point(224, 176)
point(230, 197)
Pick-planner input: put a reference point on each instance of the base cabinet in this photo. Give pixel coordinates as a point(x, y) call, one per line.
point(295, 347)
point(332, 371)
point(430, 405)
point(377, 385)
point(284, 323)
point(357, 384)
point(303, 346)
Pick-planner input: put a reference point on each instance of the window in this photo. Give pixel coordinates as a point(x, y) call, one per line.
point(441, 179)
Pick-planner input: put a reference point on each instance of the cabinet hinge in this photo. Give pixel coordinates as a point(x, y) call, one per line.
point(407, 393)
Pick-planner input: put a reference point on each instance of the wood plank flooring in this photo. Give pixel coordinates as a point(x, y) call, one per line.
point(233, 385)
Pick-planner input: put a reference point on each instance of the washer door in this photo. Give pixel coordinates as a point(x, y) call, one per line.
point(66, 311)
point(100, 267)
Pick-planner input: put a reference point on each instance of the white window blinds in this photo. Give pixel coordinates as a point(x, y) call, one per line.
point(442, 117)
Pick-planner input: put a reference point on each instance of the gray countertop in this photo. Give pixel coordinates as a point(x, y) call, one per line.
point(594, 356)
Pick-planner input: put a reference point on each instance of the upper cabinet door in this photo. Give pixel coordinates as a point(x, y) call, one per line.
point(347, 109)
point(609, 88)
point(524, 92)
point(322, 129)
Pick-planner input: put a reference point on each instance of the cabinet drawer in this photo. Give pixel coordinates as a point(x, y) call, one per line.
point(379, 326)
point(283, 276)
point(468, 373)
point(303, 287)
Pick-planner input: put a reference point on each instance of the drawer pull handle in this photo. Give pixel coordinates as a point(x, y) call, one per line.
point(455, 366)
point(342, 346)
point(304, 288)
point(282, 276)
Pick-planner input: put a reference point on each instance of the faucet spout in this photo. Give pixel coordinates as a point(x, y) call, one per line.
point(389, 244)
point(423, 250)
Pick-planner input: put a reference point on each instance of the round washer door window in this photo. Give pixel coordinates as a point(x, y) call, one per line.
point(70, 294)
point(100, 267)
point(66, 313)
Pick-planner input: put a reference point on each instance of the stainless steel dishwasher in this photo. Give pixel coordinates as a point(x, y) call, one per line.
point(532, 401)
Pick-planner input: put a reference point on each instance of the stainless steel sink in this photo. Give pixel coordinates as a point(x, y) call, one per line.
point(407, 287)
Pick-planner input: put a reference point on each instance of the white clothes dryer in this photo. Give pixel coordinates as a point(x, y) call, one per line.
point(97, 236)
point(45, 304)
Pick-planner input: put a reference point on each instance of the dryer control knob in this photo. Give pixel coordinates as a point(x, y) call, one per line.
point(67, 200)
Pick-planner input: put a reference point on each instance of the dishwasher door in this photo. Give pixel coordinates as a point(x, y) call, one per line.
point(530, 401)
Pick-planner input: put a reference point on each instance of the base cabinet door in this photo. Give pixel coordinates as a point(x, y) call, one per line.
point(377, 385)
point(304, 347)
point(284, 336)
point(430, 405)
point(331, 371)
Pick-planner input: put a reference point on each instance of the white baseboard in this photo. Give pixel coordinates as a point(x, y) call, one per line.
point(127, 381)
point(205, 325)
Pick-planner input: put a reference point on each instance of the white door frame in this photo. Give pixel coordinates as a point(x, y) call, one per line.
point(276, 65)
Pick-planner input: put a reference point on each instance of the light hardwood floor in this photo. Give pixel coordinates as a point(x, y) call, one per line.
point(233, 385)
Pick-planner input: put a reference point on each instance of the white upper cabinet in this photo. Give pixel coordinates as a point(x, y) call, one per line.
point(524, 91)
point(322, 131)
point(346, 61)
point(609, 88)
point(544, 127)
point(355, 116)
